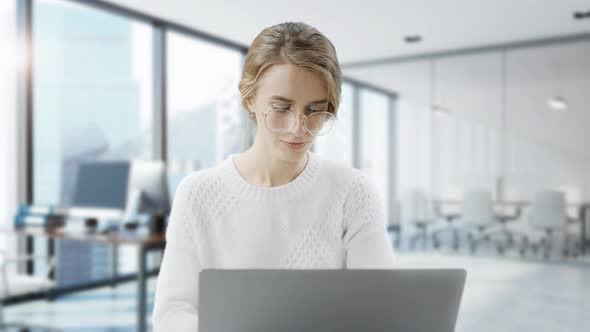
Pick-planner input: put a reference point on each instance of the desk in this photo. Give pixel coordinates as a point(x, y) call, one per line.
point(144, 242)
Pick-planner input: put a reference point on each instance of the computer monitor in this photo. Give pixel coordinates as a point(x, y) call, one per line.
point(137, 187)
point(101, 185)
point(148, 179)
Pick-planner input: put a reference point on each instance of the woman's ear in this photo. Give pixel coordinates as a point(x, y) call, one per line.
point(250, 105)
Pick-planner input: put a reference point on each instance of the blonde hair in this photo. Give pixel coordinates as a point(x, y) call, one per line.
point(292, 43)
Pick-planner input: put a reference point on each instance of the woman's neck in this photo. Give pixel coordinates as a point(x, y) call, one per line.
point(260, 168)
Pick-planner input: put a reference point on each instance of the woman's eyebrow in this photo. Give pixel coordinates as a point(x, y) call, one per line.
point(281, 98)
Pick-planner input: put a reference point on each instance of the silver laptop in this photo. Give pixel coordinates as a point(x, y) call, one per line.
point(330, 300)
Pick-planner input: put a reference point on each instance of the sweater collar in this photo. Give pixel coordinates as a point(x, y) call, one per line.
point(298, 185)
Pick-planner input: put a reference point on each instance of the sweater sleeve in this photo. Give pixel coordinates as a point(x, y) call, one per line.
point(176, 297)
point(366, 239)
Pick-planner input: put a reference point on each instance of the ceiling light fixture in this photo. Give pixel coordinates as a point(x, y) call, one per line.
point(437, 110)
point(440, 111)
point(557, 103)
point(581, 15)
point(410, 39)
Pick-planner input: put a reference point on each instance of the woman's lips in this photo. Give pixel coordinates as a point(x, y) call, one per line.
point(295, 146)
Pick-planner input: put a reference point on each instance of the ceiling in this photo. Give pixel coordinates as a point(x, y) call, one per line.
point(371, 29)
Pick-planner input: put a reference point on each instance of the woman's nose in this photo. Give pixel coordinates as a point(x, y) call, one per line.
point(297, 128)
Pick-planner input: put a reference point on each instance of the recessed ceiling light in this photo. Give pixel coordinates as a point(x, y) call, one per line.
point(440, 111)
point(581, 15)
point(557, 103)
point(413, 39)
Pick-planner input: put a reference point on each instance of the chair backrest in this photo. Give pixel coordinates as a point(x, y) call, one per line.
point(548, 210)
point(478, 208)
point(395, 215)
point(416, 207)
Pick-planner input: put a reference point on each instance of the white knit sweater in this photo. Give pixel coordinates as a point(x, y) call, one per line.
point(328, 217)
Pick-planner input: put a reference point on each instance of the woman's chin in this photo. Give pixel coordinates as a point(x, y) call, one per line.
point(292, 155)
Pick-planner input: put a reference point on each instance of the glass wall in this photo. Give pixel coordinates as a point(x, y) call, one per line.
point(516, 122)
point(375, 140)
point(548, 148)
point(466, 146)
point(204, 117)
point(337, 144)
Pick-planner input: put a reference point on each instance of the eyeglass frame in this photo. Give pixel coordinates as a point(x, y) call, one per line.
point(306, 116)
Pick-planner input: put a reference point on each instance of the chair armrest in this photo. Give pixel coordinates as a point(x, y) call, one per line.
point(3, 273)
point(437, 209)
point(518, 212)
point(23, 258)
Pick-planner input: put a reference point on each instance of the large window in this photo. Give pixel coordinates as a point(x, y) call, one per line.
point(337, 144)
point(93, 100)
point(93, 93)
point(204, 118)
point(8, 162)
point(375, 141)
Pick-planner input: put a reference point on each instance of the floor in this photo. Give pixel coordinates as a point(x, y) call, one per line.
point(501, 294)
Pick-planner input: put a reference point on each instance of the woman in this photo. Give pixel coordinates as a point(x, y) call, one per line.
point(276, 205)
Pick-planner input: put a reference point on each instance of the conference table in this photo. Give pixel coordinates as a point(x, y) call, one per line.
point(144, 241)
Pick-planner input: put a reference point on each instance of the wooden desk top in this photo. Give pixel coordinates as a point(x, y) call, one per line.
point(114, 237)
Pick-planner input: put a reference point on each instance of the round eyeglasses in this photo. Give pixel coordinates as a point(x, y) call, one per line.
point(280, 121)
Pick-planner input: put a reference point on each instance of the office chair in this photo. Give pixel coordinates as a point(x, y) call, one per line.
point(484, 222)
point(478, 216)
point(451, 226)
point(546, 220)
point(573, 238)
point(394, 224)
point(416, 210)
point(18, 284)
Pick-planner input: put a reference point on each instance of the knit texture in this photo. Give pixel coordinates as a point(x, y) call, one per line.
point(329, 217)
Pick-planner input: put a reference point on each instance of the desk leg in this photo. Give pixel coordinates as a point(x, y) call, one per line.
point(115, 265)
point(30, 250)
point(141, 290)
point(455, 238)
point(584, 210)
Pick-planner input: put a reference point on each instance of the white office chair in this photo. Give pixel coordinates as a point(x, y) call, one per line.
point(416, 210)
point(547, 219)
point(483, 222)
point(394, 224)
point(478, 216)
point(17, 284)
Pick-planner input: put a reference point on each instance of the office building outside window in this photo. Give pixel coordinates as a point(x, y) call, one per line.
point(205, 122)
point(8, 133)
